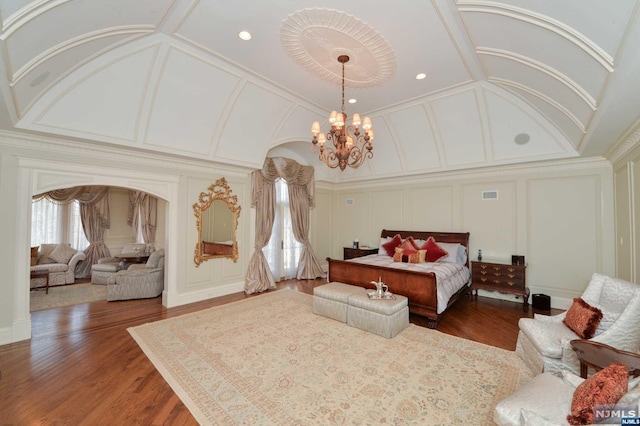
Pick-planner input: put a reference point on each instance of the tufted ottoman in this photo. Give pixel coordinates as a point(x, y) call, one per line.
point(100, 272)
point(332, 300)
point(385, 318)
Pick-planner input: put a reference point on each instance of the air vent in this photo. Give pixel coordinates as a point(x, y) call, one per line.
point(349, 202)
point(489, 195)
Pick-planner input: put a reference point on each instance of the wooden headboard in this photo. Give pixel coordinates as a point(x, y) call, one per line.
point(444, 237)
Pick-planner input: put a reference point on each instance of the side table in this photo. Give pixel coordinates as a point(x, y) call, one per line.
point(598, 356)
point(41, 273)
point(350, 253)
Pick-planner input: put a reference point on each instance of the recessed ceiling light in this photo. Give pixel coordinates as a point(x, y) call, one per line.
point(244, 35)
point(421, 76)
point(353, 101)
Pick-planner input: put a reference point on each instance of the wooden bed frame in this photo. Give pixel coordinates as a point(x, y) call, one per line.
point(419, 287)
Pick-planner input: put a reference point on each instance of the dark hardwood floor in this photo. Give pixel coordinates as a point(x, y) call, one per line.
point(82, 367)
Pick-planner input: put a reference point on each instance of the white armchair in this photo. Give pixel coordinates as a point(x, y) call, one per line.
point(107, 266)
point(139, 281)
point(543, 341)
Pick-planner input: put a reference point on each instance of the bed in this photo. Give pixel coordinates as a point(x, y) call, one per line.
point(217, 248)
point(415, 282)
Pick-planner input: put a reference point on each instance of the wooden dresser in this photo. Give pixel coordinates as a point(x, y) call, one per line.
point(350, 253)
point(500, 276)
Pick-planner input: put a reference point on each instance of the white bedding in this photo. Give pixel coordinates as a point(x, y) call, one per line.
point(450, 277)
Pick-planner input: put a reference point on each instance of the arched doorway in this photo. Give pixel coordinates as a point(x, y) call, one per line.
point(36, 176)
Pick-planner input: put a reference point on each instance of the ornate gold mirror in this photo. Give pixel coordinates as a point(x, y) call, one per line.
point(217, 213)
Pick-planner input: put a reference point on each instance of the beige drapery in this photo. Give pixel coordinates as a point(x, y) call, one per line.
point(94, 214)
point(301, 183)
point(148, 215)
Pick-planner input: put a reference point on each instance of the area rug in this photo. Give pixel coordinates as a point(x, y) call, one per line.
point(72, 294)
point(268, 360)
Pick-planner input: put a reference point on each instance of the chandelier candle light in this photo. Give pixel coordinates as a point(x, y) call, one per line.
point(351, 146)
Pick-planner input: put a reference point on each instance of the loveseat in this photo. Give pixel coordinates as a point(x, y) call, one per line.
point(60, 260)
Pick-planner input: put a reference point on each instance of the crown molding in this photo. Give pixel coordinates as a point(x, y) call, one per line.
point(121, 156)
point(492, 172)
point(623, 148)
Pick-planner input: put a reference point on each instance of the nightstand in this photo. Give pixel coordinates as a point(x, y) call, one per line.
point(350, 253)
point(500, 276)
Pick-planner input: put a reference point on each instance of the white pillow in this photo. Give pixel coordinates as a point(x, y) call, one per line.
point(457, 253)
point(62, 254)
point(381, 249)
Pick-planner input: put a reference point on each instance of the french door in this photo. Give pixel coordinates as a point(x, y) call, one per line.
point(282, 251)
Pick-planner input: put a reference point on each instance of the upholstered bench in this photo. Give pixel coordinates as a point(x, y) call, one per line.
point(386, 317)
point(351, 304)
point(332, 300)
point(100, 272)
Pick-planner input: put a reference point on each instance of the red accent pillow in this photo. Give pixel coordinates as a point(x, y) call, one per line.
point(607, 386)
point(409, 246)
point(434, 251)
point(583, 318)
point(390, 247)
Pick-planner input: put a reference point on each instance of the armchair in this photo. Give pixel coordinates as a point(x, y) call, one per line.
point(139, 281)
point(543, 341)
point(107, 266)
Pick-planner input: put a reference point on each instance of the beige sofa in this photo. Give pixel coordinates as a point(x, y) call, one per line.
point(61, 265)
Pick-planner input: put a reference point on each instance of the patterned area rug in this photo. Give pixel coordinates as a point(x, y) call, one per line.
point(66, 295)
point(269, 360)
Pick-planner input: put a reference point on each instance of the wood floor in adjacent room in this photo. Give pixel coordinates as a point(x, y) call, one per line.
point(82, 367)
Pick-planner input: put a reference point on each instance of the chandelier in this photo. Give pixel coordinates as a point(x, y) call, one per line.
point(350, 146)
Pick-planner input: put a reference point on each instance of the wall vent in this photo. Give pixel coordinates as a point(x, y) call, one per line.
point(349, 202)
point(489, 195)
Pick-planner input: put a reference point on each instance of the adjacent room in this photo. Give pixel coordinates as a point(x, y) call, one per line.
point(319, 213)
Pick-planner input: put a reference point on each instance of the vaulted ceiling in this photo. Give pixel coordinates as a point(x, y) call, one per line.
point(506, 82)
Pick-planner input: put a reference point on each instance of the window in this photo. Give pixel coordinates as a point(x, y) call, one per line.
point(283, 251)
point(53, 223)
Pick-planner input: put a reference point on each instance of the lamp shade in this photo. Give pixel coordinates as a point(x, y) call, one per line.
point(315, 128)
point(366, 123)
point(356, 120)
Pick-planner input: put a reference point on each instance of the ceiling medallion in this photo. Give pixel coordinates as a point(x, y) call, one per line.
point(314, 38)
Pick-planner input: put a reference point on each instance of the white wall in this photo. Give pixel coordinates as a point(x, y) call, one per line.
point(627, 205)
point(30, 165)
point(559, 215)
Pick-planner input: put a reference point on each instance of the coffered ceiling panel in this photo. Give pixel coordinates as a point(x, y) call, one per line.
point(189, 90)
point(111, 98)
point(463, 144)
point(253, 120)
point(416, 138)
point(510, 142)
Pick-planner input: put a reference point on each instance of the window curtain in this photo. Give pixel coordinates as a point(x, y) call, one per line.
point(301, 183)
point(94, 213)
point(148, 207)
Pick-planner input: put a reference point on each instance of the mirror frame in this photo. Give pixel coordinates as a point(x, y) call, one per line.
point(219, 190)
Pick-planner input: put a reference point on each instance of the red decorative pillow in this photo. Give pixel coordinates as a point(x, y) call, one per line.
point(583, 318)
point(409, 246)
point(434, 251)
point(607, 386)
point(390, 247)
